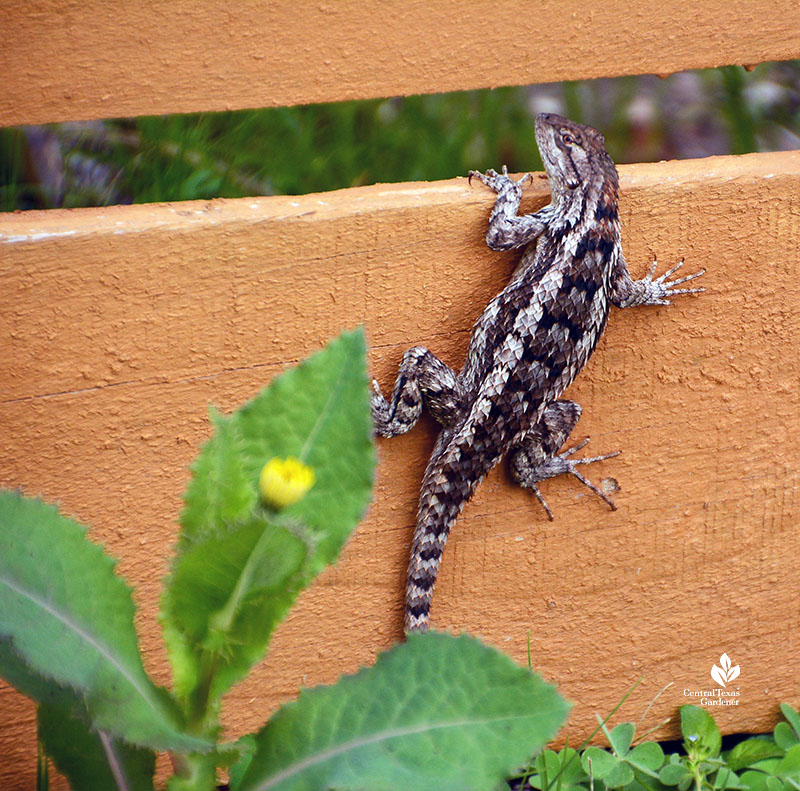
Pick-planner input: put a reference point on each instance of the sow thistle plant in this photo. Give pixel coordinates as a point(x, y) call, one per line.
point(273, 497)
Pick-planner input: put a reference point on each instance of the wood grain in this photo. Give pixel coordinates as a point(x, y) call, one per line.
point(120, 325)
point(82, 59)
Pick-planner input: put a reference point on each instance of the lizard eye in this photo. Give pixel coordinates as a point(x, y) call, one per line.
point(568, 138)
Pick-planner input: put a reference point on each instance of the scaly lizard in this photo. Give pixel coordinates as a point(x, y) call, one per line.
point(526, 348)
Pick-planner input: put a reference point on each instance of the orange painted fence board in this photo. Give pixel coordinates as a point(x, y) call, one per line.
point(65, 60)
point(120, 325)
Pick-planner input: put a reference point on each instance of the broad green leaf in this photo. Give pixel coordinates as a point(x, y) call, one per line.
point(754, 781)
point(70, 620)
point(319, 412)
point(672, 774)
point(93, 760)
point(793, 717)
point(619, 776)
point(230, 589)
point(240, 565)
point(83, 756)
point(785, 736)
point(220, 492)
point(701, 736)
point(598, 763)
point(726, 778)
point(19, 674)
point(789, 765)
point(751, 751)
point(436, 712)
point(647, 757)
point(621, 738)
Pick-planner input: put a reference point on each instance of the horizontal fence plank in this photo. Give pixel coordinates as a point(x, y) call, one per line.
point(120, 325)
point(63, 60)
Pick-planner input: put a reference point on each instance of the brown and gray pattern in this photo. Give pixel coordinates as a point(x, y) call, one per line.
point(528, 345)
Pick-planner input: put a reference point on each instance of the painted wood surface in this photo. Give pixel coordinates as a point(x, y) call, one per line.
point(121, 325)
point(65, 60)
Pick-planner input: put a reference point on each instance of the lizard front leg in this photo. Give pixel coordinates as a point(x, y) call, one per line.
point(423, 379)
point(536, 458)
point(628, 293)
point(506, 228)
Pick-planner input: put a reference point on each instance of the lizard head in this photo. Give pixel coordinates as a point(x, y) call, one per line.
point(574, 156)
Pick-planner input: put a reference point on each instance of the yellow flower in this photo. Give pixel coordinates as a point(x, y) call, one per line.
point(285, 481)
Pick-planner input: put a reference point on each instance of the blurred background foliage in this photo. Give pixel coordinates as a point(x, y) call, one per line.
point(296, 150)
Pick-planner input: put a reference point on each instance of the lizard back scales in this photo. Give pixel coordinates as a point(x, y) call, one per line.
point(528, 345)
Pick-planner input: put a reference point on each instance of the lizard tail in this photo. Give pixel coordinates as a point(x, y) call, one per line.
point(450, 480)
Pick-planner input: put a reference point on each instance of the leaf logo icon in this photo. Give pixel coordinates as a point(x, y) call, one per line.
point(725, 672)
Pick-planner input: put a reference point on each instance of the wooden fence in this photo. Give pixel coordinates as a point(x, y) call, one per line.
point(119, 325)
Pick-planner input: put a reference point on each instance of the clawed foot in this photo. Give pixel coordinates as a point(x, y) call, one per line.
point(499, 181)
point(561, 463)
point(659, 289)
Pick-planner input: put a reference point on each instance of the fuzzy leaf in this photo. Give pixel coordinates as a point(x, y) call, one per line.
point(785, 736)
point(436, 712)
point(91, 760)
point(220, 492)
point(793, 717)
point(226, 591)
point(647, 757)
point(672, 774)
point(751, 751)
point(789, 765)
point(701, 736)
point(598, 763)
point(69, 619)
point(239, 565)
point(754, 781)
point(319, 413)
point(621, 738)
point(620, 776)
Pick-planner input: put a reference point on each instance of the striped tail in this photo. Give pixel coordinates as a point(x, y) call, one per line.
point(453, 474)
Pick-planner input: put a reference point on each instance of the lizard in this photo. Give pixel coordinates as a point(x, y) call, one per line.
point(528, 345)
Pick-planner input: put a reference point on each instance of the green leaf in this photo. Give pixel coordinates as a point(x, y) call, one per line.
point(621, 738)
point(220, 492)
point(239, 565)
point(789, 765)
point(620, 776)
point(436, 712)
point(793, 717)
point(229, 590)
point(69, 620)
point(319, 412)
point(701, 736)
point(82, 755)
point(672, 774)
point(648, 757)
point(750, 751)
point(92, 760)
point(754, 781)
point(785, 736)
point(558, 771)
point(598, 763)
point(726, 778)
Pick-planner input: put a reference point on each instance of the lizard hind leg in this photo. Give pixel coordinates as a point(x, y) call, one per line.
point(422, 380)
point(536, 458)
